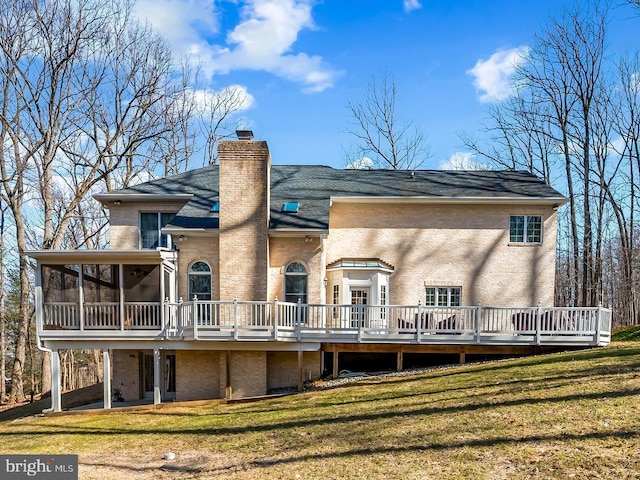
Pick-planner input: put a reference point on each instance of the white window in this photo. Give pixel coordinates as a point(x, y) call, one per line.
point(295, 283)
point(442, 296)
point(525, 229)
point(150, 226)
point(200, 281)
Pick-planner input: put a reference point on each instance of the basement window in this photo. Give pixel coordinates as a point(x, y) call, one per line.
point(215, 208)
point(291, 207)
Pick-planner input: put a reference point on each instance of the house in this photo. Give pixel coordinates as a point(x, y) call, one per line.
point(237, 279)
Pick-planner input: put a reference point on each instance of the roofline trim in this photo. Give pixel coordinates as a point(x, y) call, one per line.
point(296, 232)
point(195, 232)
point(136, 197)
point(96, 256)
point(555, 201)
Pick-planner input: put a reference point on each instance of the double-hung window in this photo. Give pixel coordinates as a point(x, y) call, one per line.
point(525, 229)
point(442, 296)
point(150, 226)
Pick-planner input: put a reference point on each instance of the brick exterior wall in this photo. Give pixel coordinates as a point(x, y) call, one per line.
point(194, 249)
point(282, 368)
point(248, 374)
point(198, 375)
point(126, 373)
point(449, 245)
point(244, 213)
point(283, 251)
point(124, 228)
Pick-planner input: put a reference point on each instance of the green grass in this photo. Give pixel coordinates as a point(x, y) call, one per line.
point(627, 334)
point(569, 415)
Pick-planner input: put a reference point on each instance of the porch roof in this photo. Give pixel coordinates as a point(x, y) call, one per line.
point(131, 257)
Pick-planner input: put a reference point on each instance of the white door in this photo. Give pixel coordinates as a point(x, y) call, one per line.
point(359, 300)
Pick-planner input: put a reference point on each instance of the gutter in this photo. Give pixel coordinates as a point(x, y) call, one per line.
point(555, 201)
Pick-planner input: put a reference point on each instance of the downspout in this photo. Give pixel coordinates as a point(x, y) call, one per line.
point(39, 344)
point(323, 268)
point(42, 348)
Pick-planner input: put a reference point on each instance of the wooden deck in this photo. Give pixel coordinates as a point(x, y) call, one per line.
point(328, 324)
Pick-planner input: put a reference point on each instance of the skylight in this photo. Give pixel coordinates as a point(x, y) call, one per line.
point(215, 208)
point(290, 207)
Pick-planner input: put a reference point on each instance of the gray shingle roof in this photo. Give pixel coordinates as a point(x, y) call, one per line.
point(313, 186)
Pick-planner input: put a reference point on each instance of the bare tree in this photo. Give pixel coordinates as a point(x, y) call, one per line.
point(90, 100)
point(3, 316)
point(558, 121)
point(378, 132)
point(519, 131)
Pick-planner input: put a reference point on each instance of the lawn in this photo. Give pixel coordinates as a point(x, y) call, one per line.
point(569, 416)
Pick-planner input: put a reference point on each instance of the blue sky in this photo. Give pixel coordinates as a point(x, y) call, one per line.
point(299, 62)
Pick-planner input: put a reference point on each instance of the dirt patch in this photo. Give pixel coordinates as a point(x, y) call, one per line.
point(193, 464)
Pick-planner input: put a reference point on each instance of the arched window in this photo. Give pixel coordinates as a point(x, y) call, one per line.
point(295, 283)
point(200, 281)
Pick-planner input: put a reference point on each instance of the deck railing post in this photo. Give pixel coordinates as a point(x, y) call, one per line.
point(235, 318)
point(538, 323)
point(194, 307)
point(299, 320)
point(166, 321)
point(418, 323)
point(478, 322)
point(276, 318)
point(599, 317)
point(81, 298)
point(360, 310)
point(180, 313)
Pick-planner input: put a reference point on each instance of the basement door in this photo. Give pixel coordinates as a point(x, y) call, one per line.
point(167, 376)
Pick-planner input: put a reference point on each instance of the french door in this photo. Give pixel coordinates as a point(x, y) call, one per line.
point(359, 300)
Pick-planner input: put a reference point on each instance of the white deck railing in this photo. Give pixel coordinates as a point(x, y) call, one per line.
point(282, 321)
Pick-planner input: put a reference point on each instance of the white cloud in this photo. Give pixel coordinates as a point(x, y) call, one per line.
point(411, 5)
point(262, 40)
point(492, 77)
point(362, 163)
point(463, 161)
point(185, 23)
point(236, 96)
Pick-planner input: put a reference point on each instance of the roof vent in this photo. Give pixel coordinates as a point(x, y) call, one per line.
point(244, 134)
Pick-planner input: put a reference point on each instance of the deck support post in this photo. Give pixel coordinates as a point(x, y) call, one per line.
point(106, 376)
point(399, 361)
point(300, 370)
point(157, 398)
point(462, 358)
point(56, 397)
point(335, 364)
point(228, 392)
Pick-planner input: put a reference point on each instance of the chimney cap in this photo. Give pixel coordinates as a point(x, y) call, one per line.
point(244, 134)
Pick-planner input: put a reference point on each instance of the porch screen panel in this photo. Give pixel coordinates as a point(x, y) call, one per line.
point(101, 290)
point(60, 296)
point(141, 285)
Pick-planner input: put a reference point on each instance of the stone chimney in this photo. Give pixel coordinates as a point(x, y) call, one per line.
point(244, 176)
